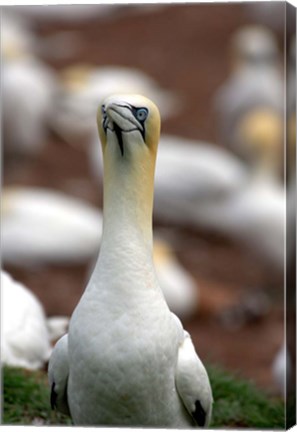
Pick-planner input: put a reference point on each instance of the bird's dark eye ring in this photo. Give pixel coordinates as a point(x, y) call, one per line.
point(141, 114)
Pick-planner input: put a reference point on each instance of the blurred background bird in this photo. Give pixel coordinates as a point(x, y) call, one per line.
point(26, 333)
point(28, 91)
point(40, 225)
point(253, 94)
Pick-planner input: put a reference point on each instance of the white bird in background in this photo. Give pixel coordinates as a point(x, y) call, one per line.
point(25, 339)
point(254, 86)
point(28, 87)
point(201, 172)
point(43, 225)
point(255, 47)
point(127, 360)
point(16, 33)
point(83, 85)
point(180, 290)
point(255, 215)
point(216, 191)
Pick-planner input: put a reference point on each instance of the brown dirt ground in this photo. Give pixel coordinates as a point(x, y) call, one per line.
point(184, 47)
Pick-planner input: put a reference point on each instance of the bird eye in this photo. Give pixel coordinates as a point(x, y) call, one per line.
point(103, 110)
point(141, 114)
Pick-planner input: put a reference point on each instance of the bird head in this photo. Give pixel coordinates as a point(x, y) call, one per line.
point(260, 136)
point(129, 124)
point(75, 78)
point(254, 45)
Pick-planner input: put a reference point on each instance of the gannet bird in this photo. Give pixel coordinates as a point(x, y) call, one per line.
point(255, 46)
point(16, 34)
point(255, 84)
point(82, 85)
point(216, 191)
point(127, 360)
point(28, 86)
point(25, 340)
point(46, 226)
point(255, 215)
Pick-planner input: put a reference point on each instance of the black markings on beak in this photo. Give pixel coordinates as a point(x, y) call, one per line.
point(118, 132)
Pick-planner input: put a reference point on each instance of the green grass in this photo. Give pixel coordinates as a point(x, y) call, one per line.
point(238, 403)
point(26, 399)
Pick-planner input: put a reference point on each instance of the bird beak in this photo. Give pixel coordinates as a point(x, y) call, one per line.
point(118, 131)
point(123, 121)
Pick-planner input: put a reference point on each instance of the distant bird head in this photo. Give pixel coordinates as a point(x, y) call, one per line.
point(129, 124)
point(75, 78)
point(254, 45)
point(260, 134)
point(11, 51)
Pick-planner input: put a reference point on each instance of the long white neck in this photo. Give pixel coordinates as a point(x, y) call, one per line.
point(127, 207)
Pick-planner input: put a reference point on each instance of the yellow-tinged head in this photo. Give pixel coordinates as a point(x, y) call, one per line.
point(75, 78)
point(132, 122)
point(254, 45)
point(12, 51)
point(260, 134)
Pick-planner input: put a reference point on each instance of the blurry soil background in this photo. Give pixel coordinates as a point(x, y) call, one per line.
point(185, 48)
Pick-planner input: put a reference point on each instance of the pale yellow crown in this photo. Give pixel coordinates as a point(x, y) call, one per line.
point(75, 78)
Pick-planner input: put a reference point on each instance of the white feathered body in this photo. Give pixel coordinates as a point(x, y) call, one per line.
point(27, 90)
point(128, 366)
point(42, 225)
point(24, 333)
